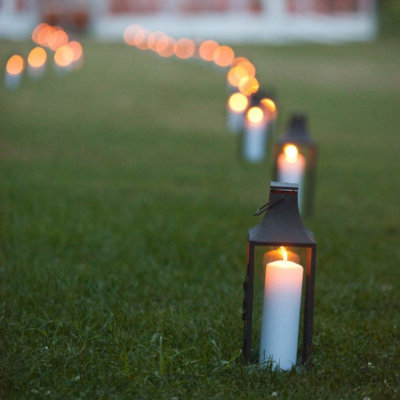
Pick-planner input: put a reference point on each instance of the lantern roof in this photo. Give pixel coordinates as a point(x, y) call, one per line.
point(297, 132)
point(282, 224)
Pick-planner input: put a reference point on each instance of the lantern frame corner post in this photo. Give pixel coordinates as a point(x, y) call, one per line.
point(308, 326)
point(247, 315)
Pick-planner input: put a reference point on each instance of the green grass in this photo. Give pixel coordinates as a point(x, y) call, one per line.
point(124, 217)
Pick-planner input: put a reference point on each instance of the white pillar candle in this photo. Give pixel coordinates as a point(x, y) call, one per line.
point(236, 109)
point(235, 121)
point(12, 81)
point(255, 135)
point(37, 63)
point(281, 314)
point(13, 73)
point(291, 166)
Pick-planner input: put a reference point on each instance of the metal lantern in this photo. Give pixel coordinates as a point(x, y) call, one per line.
point(303, 168)
point(259, 122)
point(280, 228)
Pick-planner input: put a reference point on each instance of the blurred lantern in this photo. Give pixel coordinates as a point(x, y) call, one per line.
point(184, 48)
point(77, 50)
point(248, 85)
point(37, 30)
point(254, 141)
point(153, 38)
point(223, 56)
point(57, 39)
point(37, 63)
point(130, 32)
point(207, 49)
point(280, 282)
point(63, 59)
point(165, 46)
point(236, 110)
point(295, 160)
point(13, 73)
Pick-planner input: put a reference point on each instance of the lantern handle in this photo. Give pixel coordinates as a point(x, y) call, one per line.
point(265, 207)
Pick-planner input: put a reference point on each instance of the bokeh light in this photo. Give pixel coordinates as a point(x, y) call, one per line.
point(165, 46)
point(238, 60)
point(223, 56)
point(255, 115)
point(130, 32)
point(248, 85)
point(44, 35)
point(37, 30)
point(141, 39)
point(235, 75)
point(64, 56)
point(37, 57)
point(248, 66)
point(77, 50)
point(207, 49)
point(238, 102)
point(57, 39)
point(291, 153)
point(153, 38)
point(269, 105)
point(15, 65)
point(184, 48)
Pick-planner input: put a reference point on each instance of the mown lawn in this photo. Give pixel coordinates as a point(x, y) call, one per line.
point(124, 218)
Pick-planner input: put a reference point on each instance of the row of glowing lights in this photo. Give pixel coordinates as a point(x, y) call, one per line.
point(56, 39)
point(241, 74)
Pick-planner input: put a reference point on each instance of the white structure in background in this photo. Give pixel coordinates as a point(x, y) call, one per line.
point(228, 21)
point(17, 18)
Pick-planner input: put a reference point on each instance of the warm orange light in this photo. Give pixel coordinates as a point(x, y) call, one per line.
point(15, 65)
point(129, 34)
point(57, 39)
point(165, 46)
point(153, 38)
point(184, 48)
point(248, 66)
point(37, 57)
point(141, 39)
point(238, 102)
point(269, 105)
point(248, 85)
point(64, 56)
point(207, 50)
point(255, 115)
point(76, 48)
point(235, 75)
point(284, 254)
point(238, 60)
point(291, 153)
point(44, 35)
point(37, 30)
point(223, 56)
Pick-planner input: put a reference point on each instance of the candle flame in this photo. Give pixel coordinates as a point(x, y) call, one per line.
point(238, 102)
point(37, 57)
point(15, 65)
point(248, 85)
point(269, 105)
point(255, 115)
point(284, 254)
point(291, 153)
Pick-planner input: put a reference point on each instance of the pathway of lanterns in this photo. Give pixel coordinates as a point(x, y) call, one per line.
point(67, 55)
point(249, 110)
point(245, 97)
